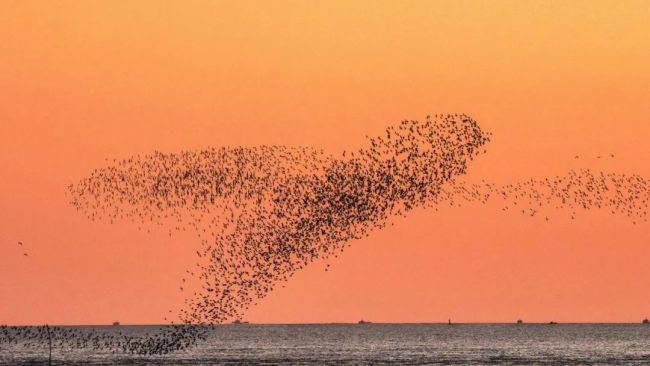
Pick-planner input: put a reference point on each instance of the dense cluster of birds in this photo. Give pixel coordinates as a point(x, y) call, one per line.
point(620, 194)
point(263, 213)
point(61, 338)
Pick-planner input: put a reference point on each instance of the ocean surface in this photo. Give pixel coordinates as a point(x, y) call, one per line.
point(376, 344)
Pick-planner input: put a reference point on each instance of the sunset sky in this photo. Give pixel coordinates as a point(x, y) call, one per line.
point(85, 81)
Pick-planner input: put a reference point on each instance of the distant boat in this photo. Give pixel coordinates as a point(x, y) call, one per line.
point(520, 321)
point(552, 323)
point(240, 322)
point(364, 322)
point(645, 321)
point(115, 324)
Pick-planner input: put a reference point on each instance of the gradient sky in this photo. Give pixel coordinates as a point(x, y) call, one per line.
point(82, 81)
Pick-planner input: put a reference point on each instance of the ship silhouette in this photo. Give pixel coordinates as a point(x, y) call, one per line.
point(364, 322)
point(645, 321)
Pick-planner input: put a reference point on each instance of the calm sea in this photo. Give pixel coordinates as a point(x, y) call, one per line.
point(379, 344)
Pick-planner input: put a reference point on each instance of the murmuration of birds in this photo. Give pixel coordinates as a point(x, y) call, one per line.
point(617, 193)
point(263, 213)
point(100, 339)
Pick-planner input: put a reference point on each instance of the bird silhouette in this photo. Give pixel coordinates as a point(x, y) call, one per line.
point(260, 214)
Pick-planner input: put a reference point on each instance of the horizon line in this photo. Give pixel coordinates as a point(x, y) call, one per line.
point(551, 322)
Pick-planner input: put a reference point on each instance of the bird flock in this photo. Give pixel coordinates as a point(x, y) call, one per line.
point(173, 338)
point(617, 193)
point(263, 213)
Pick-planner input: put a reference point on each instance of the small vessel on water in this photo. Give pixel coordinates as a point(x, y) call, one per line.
point(364, 322)
point(115, 324)
point(240, 322)
point(645, 321)
point(552, 323)
point(520, 321)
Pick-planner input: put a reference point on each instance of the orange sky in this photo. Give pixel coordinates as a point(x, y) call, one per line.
point(82, 81)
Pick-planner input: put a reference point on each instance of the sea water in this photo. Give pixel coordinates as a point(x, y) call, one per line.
point(374, 344)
